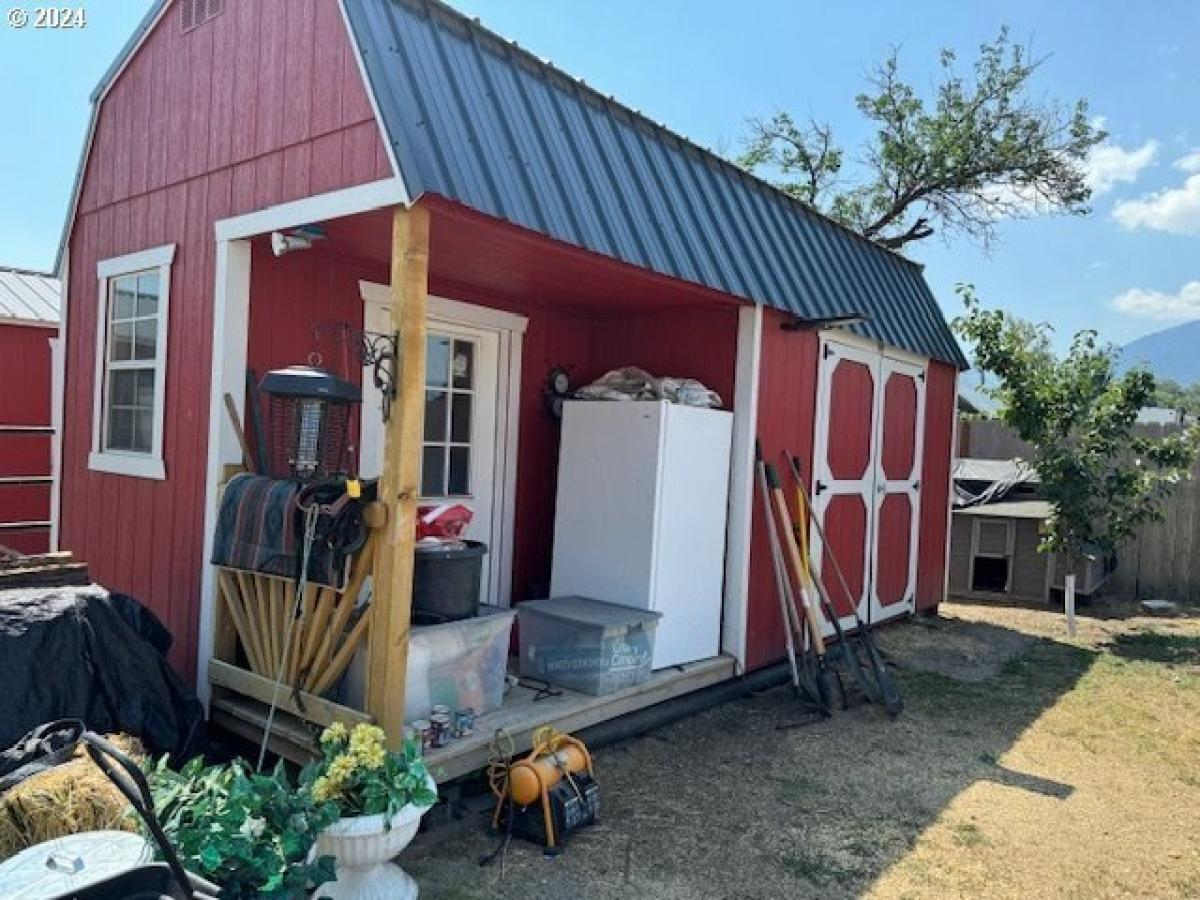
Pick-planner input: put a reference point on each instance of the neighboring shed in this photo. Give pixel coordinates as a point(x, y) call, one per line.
point(997, 527)
point(29, 309)
point(543, 225)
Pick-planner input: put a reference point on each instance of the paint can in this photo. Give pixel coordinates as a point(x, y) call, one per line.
point(424, 732)
point(464, 721)
point(442, 727)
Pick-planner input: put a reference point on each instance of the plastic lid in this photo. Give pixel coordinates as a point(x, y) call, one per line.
point(587, 611)
point(71, 863)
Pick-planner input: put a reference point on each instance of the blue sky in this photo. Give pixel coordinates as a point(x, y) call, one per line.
point(1131, 267)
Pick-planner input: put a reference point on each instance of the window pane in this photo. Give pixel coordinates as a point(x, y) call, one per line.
point(147, 294)
point(120, 429)
point(145, 388)
point(122, 342)
point(122, 388)
point(464, 364)
point(145, 338)
point(437, 361)
point(433, 465)
point(124, 290)
point(143, 423)
point(460, 471)
point(435, 415)
point(460, 418)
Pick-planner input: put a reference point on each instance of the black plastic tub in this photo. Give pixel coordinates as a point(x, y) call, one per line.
point(446, 584)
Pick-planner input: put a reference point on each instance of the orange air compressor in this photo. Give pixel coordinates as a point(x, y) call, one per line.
point(549, 794)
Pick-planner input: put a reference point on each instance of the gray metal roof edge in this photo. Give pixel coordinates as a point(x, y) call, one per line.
point(641, 118)
point(17, 270)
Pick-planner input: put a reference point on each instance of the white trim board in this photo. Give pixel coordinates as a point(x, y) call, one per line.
point(739, 529)
point(317, 208)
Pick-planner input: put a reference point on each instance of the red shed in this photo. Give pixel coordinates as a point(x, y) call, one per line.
point(565, 231)
point(29, 310)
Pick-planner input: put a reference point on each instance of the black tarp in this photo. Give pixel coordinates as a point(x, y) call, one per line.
point(86, 653)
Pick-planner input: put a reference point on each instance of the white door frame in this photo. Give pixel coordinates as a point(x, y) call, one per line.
point(834, 345)
point(509, 328)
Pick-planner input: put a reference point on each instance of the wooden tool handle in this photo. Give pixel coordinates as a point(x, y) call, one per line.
point(815, 624)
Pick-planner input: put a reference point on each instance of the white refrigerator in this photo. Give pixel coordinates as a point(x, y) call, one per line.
point(643, 492)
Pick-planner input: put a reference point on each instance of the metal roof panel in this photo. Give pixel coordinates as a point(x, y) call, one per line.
point(29, 297)
point(482, 122)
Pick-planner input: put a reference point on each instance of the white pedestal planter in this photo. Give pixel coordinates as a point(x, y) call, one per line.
point(363, 850)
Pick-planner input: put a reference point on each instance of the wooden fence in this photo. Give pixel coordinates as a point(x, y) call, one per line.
point(1163, 558)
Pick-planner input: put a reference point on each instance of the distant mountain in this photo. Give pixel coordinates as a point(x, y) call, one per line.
point(1171, 353)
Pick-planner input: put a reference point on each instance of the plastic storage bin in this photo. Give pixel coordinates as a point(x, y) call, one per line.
point(458, 664)
point(586, 645)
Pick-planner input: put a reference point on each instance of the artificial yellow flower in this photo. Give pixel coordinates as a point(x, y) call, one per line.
point(335, 733)
point(341, 769)
point(322, 790)
point(365, 737)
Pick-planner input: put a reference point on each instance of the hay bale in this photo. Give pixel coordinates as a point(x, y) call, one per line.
point(67, 799)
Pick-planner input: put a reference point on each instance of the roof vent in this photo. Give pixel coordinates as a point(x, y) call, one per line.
point(194, 13)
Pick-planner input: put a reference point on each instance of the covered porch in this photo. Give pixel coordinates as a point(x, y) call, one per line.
point(519, 306)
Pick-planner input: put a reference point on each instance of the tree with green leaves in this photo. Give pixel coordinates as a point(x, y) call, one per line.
point(1102, 477)
point(981, 149)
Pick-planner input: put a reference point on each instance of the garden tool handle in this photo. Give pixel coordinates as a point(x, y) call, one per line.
point(129, 779)
point(793, 552)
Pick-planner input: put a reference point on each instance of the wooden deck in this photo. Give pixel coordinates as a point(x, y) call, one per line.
point(569, 711)
point(521, 715)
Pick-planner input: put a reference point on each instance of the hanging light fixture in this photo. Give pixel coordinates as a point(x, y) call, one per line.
point(308, 410)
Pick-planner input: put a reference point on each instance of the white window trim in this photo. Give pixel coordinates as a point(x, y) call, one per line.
point(117, 462)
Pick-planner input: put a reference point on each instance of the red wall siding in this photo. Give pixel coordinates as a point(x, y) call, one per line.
point(940, 412)
point(787, 396)
point(786, 414)
point(692, 343)
point(25, 371)
point(200, 126)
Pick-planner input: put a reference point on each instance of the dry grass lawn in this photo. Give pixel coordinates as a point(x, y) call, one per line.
point(1024, 766)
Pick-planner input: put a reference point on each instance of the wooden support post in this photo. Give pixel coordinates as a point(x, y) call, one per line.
point(400, 486)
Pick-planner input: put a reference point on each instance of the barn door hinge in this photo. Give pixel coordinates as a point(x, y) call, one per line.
point(819, 487)
point(827, 351)
point(921, 375)
point(917, 485)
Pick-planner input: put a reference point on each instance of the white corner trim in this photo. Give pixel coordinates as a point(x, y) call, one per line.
point(154, 258)
point(137, 465)
point(58, 356)
point(741, 484)
point(453, 311)
point(370, 91)
point(231, 316)
point(309, 210)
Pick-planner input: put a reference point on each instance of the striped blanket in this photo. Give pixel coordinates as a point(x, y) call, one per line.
point(259, 529)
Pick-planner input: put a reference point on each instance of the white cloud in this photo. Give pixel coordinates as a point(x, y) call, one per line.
point(1189, 163)
point(1175, 210)
point(1109, 165)
point(1183, 304)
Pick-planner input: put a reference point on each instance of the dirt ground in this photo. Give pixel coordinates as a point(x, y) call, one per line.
point(1024, 765)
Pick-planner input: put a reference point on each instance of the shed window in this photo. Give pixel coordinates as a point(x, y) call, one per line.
point(449, 402)
point(131, 356)
point(992, 546)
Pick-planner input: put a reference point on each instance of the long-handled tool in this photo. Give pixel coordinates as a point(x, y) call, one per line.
point(880, 687)
point(829, 685)
point(803, 681)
